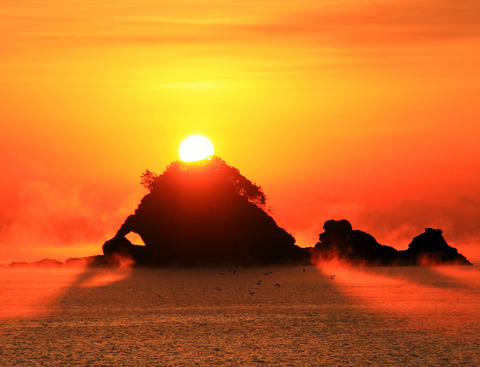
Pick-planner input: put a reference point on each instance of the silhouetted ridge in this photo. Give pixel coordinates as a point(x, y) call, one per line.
point(340, 241)
point(202, 213)
point(431, 248)
point(207, 213)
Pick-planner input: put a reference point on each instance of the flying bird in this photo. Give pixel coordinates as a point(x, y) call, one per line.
point(332, 276)
point(251, 293)
point(259, 282)
point(277, 285)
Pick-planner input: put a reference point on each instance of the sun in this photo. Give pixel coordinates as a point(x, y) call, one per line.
point(195, 148)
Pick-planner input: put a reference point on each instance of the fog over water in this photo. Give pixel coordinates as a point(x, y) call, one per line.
point(323, 315)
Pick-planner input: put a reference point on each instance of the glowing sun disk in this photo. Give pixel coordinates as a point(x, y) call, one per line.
point(195, 148)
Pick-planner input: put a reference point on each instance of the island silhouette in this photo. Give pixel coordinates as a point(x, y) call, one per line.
point(340, 241)
point(206, 213)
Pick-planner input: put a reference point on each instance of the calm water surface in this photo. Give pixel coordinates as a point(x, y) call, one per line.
point(296, 316)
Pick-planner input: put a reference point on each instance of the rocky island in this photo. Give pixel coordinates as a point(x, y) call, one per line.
point(206, 213)
point(340, 241)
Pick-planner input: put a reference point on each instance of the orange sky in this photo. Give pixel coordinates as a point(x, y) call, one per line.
point(363, 110)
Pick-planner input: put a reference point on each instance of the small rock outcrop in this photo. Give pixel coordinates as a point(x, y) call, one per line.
point(47, 263)
point(430, 248)
point(340, 241)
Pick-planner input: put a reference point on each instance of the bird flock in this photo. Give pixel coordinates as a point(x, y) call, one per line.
point(252, 290)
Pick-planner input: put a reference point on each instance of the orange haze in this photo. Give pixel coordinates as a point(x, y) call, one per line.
point(362, 110)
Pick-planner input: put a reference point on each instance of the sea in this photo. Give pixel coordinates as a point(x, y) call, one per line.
point(323, 315)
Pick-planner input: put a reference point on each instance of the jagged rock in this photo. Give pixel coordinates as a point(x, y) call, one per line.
point(430, 248)
point(117, 245)
point(340, 241)
point(204, 214)
point(207, 213)
point(341, 226)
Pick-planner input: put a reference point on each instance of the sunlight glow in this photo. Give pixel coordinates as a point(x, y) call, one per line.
point(195, 148)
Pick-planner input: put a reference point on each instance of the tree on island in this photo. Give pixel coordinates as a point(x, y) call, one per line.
point(207, 213)
point(201, 213)
point(215, 166)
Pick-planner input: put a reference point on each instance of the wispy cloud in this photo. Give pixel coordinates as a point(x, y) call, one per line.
point(48, 217)
point(339, 24)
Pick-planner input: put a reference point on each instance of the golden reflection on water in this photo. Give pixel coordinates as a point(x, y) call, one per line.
point(295, 316)
point(28, 292)
point(432, 297)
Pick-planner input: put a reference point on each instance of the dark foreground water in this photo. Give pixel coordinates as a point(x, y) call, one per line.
point(295, 317)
